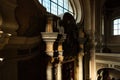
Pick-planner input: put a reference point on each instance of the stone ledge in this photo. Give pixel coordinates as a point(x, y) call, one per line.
point(23, 42)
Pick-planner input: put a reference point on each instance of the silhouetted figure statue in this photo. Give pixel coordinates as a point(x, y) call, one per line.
point(71, 44)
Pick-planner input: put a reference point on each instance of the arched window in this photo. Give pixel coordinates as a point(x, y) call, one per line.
point(58, 7)
point(116, 27)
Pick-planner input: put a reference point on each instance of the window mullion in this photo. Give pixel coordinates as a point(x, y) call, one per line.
point(50, 6)
point(57, 7)
point(63, 6)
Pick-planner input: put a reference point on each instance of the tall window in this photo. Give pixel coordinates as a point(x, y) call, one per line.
point(57, 7)
point(116, 27)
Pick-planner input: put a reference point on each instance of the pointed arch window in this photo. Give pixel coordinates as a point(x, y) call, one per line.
point(58, 7)
point(116, 27)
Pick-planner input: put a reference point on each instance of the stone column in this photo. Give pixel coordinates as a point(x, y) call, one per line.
point(80, 64)
point(79, 67)
point(79, 61)
point(58, 69)
point(49, 37)
point(92, 62)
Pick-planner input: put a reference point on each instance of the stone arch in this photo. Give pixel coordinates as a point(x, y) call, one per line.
point(108, 73)
point(107, 68)
point(87, 15)
point(79, 11)
point(115, 66)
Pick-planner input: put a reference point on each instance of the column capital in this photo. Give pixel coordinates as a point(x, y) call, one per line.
point(49, 38)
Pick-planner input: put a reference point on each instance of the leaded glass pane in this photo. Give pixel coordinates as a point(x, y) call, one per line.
point(57, 7)
point(46, 3)
point(60, 2)
point(66, 4)
point(60, 10)
point(119, 27)
point(115, 32)
point(119, 21)
point(65, 10)
point(116, 21)
point(54, 1)
point(115, 26)
point(118, 32)
point(54, 8)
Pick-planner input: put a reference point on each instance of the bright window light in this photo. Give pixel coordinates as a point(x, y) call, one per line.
point(1, 59)
point(57, 7)
point(116, 27)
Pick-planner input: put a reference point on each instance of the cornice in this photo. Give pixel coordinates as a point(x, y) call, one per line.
point(23, 42)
